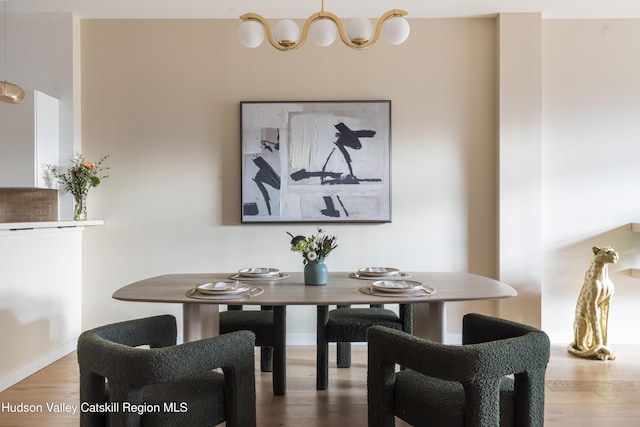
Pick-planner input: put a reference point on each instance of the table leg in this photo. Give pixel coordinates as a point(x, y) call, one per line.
point(429, 321)
point(200, 321)
point(322, 348)
point(280, 350)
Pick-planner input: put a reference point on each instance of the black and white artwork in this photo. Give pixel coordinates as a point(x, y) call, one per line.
point(316, 161)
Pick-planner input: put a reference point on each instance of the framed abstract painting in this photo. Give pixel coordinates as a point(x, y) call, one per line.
point(326, 161)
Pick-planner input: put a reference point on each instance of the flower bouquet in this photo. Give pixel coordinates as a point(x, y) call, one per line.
point(78, 179)
point(314, 250)
point(314, 247)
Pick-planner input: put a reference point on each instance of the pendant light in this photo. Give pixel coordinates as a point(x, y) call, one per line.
point(323, 27)
point(9, 92)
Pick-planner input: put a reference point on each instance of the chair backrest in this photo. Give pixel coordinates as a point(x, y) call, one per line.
point(492, 349)
point(113, 351)
point(514, 346)
point(478, 328)
point(505, 347)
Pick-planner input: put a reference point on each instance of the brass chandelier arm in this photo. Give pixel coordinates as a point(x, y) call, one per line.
point(284, 47)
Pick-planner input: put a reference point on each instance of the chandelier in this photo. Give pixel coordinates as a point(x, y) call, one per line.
point(323, 27)
point(9, 92)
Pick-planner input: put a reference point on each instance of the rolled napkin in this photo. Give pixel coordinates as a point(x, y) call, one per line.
point(225, 286)
point(393, 284)
point(225, 296)
point(259, 271)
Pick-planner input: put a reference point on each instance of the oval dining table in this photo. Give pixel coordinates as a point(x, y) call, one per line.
point(201, 314)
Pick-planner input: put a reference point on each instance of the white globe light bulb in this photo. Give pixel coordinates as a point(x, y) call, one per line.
point(323, 32)
point(286, 32)
point(360, 29)
point(395, 30)
point(251, 34)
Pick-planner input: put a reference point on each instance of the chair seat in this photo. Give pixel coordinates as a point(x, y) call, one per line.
point(260, 322)
point(350, 324)
point(269, 327)
point(443, 401)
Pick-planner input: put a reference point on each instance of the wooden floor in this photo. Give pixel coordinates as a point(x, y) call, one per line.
point(580, 392)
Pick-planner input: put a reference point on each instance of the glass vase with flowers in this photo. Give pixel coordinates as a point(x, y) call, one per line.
point(81, 176)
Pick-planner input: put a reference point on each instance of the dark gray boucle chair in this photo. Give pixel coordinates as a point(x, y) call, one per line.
point(465, 385)
point(344, 325)
point(269, 326)
point(165, 374)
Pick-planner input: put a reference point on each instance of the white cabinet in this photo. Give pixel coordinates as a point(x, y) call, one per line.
point(40, 308)
point(28, 140)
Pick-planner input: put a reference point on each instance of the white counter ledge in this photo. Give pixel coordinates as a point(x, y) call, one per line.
point(12, 226)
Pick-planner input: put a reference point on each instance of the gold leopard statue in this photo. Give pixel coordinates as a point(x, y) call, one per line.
point(592, 309)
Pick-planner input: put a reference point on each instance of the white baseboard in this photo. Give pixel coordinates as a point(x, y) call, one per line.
point(453, 339)
point(301, 339)
point(34, 366)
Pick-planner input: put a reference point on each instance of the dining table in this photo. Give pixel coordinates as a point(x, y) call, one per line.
point(201, 311)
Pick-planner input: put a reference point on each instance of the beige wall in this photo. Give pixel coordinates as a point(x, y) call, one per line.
point(591, 112)
point(162, 98)
point(520, 180)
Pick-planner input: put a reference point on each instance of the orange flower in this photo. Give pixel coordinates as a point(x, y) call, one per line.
point(88, 165)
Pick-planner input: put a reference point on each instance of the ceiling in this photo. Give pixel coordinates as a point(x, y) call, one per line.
point(232, 9)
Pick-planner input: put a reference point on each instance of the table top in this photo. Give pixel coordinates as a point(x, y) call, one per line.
point(340, 289)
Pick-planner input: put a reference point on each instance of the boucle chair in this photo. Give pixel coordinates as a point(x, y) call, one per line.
point(467, 385)
point(344, 325)
point(173, 384)
point(269, 326)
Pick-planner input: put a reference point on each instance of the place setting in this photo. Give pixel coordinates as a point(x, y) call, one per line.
point(224, 290)
point(387, 281)
point(404, 288)
point(370, 273)
point(259, 274)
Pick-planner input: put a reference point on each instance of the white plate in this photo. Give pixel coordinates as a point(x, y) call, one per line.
point(395, 286)
point(378, 271)
point(223, 288)
point(279, 276)
point(259, 272)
